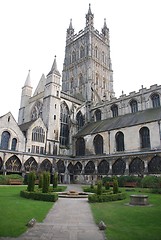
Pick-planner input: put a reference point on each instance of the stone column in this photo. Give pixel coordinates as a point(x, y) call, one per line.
point(127, 168)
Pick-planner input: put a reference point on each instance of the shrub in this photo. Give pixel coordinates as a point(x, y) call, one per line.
point(31, 181)
point(99, 187)
point(40, 180)
point(151, 182)
point(48, 197)
point(4, 179)
point(106, 197)
point(46, 182)
point(107, 185)
point(55, 180)
point(115, 186)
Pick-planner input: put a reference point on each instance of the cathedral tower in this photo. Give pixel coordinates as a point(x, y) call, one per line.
point(87, 70)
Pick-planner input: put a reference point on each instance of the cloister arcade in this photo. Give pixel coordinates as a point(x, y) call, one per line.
point(82, 169)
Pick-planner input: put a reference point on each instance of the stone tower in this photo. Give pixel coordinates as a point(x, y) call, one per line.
point(87, 70)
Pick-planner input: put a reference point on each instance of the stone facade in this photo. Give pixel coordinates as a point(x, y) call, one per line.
point(75, 125)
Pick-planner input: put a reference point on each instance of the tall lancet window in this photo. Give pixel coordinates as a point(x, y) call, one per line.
point(155, 100)
point(64, 125)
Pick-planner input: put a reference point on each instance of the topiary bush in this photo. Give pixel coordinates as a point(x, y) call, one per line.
point(31, 181)
point(40, 180)
point(55, 180)
point(46, 182)
point(106, 197)
point(107, 185)
point(99, 187)
point(115, 186)
point(49, 197)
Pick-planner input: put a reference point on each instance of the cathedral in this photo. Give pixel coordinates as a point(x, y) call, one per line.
point(72, 122)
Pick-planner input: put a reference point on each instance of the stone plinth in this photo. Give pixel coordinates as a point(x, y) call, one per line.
point(140, 200)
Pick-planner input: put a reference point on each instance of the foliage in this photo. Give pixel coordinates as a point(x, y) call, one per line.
point(40, 180)
point(99, 187)
point(151, 182)
point(4, 179)
point(115, 186)
point(106, 197)
point(46, 182)
point(17, 211)
point(31, 181)
point(59, 189)
point(49, 197)
point(107, 185)
point(55, 180)
point(123, 179)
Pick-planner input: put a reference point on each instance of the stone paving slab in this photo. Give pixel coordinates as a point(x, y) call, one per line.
point(69, 219)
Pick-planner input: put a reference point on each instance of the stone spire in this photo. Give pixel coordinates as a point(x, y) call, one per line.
point(54, 68)
point(105, 29)
point(70, 30)
point(89, 17)
point(28, 80)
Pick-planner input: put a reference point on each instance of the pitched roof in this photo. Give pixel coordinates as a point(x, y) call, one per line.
point(127, 120)
point(26, 125)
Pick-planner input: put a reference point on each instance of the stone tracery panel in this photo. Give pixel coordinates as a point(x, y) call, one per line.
point(154, 166)
point(89, 168)
point(136, 166)
point(46, 166)
point(118, 168)
point(13, 164)
point(103, 167)
point(60, 166)
point(30, 165)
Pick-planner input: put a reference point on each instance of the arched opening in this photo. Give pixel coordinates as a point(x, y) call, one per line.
point(80, 147)
point(118, 168)
point(89, 168)
point(154, 166)
point(114, 109)
point(144, 137)
point(119, 141)
point(5, 140)
point(98, 115)
point(80, 120)
point(64, 125)
point(103, 167)
point(77, 168)
point(60, 166)
point(14, 144)
point(1, 164)
point(30, 165)
point(98, 144)
point(155, 100)
point(46, 166)
point(134, 106)
point(136, 166)
point(13, 164)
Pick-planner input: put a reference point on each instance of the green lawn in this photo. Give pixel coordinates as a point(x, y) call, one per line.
point(130, 222)
point(15, 211)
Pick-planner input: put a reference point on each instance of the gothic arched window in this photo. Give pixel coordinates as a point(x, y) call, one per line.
point(136, 166)
point(155, 100)
point(144, 137)
point(14, 144)
point(13, 164)
point(77, 168)
point(46, 166)
point(60, 166)
point(154, 166)
point(119, 141)
point(5, 140)
point(96, 52)
point(80, 120)
point(114, 109)
point(30, 165)
point(89, 168)
point(80, 147)
point(70, 168)
point(103, 167)
point(134, 106)
point(98, 114)
point(38, 134)
point(73, 56)
point(118, 168)
point(36, 111)
point(82, 52)
point(64, 125)
point(98, 144)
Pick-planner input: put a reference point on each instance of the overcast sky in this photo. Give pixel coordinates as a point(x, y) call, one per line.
point(33, 31)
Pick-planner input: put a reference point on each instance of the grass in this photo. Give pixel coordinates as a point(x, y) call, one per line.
point(15, 211)
point(130, 222)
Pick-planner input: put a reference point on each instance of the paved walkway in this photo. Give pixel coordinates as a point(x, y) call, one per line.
point(69, 219)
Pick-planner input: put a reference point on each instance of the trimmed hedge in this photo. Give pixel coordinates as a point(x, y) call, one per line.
point(48, 197)
point(4, 179)
point(106, 197)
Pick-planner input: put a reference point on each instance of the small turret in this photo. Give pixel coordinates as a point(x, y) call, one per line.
point(70, 30)
point(105, 30)
point(89, 18)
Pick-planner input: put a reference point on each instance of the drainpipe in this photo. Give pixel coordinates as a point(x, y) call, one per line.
point(109, 141)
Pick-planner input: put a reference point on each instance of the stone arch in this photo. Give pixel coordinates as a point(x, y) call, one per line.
point(144, 137)
point(136, 166)
point(103, 167)
point(77, 168)
point(46, 166)
point(70, 168)
point(80, 147)
point(89, 168)
point(119, 166)
point(13, 164)
point(154, 166)
point(60, 166)
point(30, 165)
point(98, 144)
